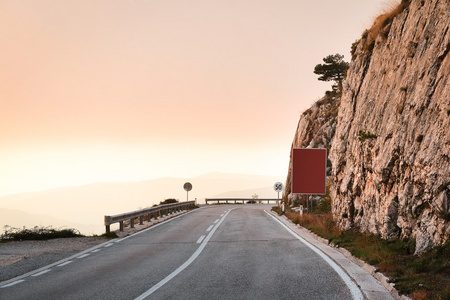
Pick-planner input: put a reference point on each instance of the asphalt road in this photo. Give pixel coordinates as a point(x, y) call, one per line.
point(217, 252)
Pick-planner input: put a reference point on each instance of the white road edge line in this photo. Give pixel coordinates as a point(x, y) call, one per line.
point(66, 263)
point(41, 273)
point(183, 266)
point(200, 239)
point(13, 283)
point(210, 227)
point(354, 289)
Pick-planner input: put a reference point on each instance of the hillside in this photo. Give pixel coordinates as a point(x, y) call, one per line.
point(390, 152)
point(84, 207)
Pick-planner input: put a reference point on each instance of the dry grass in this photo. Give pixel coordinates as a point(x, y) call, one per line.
point(382, 25)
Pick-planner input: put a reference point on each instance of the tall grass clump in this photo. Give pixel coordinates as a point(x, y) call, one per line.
point(382, 26)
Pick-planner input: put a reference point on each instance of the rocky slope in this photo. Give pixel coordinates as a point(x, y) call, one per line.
point(390, 153)
point(316, 129)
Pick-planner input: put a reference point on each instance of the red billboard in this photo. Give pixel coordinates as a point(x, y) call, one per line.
point(309, 171)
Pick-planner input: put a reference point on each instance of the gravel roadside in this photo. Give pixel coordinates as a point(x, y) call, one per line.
point(17, 258)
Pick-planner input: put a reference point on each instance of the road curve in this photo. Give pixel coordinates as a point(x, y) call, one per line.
point(217, 252)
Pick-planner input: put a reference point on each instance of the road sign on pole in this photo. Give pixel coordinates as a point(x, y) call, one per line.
point(309, 171)
point(278, 187)
point(187, 187)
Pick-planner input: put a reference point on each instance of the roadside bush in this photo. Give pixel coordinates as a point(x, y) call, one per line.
point(168, 201)
point(37, 233)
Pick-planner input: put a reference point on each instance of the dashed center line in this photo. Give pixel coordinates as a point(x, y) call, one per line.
point(210, 227)
point(200, 239)
point(83, 256)
point(96, 250)
point(41, 273)
point(108, 245)
point(215, 222)
point(183, 266)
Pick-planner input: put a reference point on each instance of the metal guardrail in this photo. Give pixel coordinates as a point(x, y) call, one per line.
point(155, 211)
point(243, 200)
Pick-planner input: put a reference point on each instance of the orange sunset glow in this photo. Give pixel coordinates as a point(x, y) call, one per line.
point(101, 90)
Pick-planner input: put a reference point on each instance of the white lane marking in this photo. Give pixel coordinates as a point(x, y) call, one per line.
point(66, 263)
point(13, 283)
point(221, 215)
point(108, 245)
point(183, 266)
point(215, 222)
point(96, 250)
point(210, 227)
point(354, 290)
point(41, 273)
point(83, 256)
point(200, 239)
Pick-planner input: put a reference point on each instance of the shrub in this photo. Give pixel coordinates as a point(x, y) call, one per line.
point(363, 135)
point(37, 233)
point(168, 201)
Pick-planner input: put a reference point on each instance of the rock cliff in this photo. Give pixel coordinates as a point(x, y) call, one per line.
point(390, 153)
point(315, 129)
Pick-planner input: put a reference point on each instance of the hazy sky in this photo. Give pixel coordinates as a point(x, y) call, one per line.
point(108, 90)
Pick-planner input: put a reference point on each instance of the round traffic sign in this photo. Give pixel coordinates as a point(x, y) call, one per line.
point(278, 187)
point(187, 186)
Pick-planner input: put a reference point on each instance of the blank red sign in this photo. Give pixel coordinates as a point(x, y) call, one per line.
point(309, 171)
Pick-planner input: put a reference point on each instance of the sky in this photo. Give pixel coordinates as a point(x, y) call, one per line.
point(109, 90)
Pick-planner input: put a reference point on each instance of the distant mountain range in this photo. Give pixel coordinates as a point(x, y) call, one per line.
point(83, 207)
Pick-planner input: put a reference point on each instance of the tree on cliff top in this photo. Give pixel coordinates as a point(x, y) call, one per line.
point(334, 68)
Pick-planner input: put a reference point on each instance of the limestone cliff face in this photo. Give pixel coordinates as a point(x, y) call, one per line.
point(316, 129)
point(391, 149)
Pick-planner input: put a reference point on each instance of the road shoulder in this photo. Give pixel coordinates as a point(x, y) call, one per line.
point(373, 284)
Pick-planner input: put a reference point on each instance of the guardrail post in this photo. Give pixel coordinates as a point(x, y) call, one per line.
point(108, 229)
point(141, 220)
point(132, 222)
point(121, 225)
point(155, 215)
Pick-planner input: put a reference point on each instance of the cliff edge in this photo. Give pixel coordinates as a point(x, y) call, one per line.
point(390, 150)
